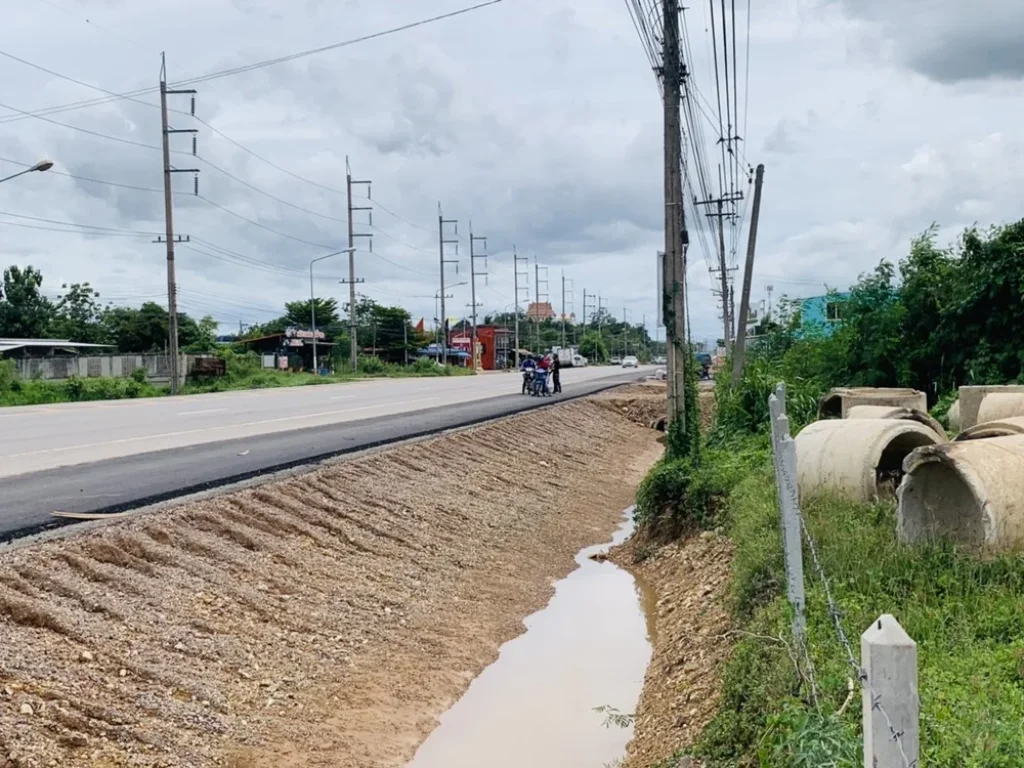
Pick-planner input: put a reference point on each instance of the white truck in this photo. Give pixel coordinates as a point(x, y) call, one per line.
point(569, 357)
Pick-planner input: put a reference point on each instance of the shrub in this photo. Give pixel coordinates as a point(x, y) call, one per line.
point(372, 366)
point(74, 388)
point(139, 375)
point(8, 375)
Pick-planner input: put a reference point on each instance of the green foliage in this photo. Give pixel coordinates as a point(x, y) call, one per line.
point(371, 366)
point(744, 409)
point(593, 348)
point(24, 312)
point(77, 315)
point(8, 376)
point(963, 612)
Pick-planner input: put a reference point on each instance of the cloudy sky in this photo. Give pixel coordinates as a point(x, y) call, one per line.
point(537, 120)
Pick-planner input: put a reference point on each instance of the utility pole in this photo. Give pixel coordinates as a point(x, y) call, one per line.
point(565, 311)
point(721, 214)
point(587, 305)
point(473, 275)
point(676, 238)
point(352, 281)
point(537, 294)
point(770, 288)
point(748, 273)
point(441, 243)
point(169, 239)
point(516, 259)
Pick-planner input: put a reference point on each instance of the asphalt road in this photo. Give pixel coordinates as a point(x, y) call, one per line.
point(110, 456)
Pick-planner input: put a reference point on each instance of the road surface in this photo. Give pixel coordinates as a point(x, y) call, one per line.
point(111, 455)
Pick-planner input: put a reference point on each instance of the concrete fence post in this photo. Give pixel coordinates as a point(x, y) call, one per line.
point(890, 699)
point(784, 455)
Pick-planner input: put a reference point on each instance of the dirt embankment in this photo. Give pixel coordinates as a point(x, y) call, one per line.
point(322, 620)
point(645, 403)
point(691, 643)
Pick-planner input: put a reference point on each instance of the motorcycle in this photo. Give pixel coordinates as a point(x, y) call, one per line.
point(540, 384)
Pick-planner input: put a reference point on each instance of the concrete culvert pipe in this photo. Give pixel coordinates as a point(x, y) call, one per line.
point(971, 398)
point(970, 493)
point(838, 402)
point(1000, 405)
point(999, 428)
point(953, 416)
point(859, 459)
point(901, 414)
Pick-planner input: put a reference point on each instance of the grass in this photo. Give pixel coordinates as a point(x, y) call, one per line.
point(243, 372)
point(966, 615)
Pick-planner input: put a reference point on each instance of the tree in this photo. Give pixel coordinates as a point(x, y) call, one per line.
point(383, 331)
point(298, 312)
point(24, 312)
point(78, 315)
point(593, 348)
point(205, 336)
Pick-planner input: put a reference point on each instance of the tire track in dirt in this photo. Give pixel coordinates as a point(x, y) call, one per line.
point(321, 620)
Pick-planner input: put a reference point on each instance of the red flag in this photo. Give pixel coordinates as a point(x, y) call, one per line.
point(420, 326)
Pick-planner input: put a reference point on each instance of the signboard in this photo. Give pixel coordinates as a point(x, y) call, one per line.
point(301, 333)
point(462, 341)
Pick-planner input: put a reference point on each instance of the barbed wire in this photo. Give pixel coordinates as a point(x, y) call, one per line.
point(836, 615)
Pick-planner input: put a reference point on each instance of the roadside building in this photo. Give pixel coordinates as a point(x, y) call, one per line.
point(291, 350)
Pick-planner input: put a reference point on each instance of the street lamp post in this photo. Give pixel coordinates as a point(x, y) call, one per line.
point(42, 165)
point(312, 300)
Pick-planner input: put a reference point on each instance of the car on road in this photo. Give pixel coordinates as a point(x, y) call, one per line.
point(659, 360)
point(616, 361)
point(630, 361)
point(579, 361)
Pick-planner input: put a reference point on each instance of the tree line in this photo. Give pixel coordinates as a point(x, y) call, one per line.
point(943, 317)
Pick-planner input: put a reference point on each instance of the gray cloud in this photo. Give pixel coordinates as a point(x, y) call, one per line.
point(948, 41)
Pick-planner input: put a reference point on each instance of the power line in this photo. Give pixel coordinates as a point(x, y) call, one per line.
point(255, 65)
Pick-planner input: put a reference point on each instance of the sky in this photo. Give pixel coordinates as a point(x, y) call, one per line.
point(537, 123)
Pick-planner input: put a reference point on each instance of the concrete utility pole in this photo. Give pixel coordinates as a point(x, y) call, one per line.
point(352, 281)
point(748, 273)
point(473, 275)
point(565, 311)
point(721, 213)
point(625, 334)
point(442, 352)
point(537, 294)
point(169, 239)
point(676, 238)
point(516, 259)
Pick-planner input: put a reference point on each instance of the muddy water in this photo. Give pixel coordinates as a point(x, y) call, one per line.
point(535, 705)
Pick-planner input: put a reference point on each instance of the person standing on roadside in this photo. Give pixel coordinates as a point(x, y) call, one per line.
point(556, 379)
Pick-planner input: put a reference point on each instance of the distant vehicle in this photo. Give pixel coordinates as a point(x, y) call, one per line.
point(579, 361)
point(659, 360)
point(616, 361)
point(630, 361)
point(566, 355)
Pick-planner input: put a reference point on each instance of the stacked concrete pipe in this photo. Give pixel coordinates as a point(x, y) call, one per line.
point(953, 416)
point(1013, 425)
point(972, 397)
point(858, 459)
point(838, 402)
point(969, 492)
point(901, 414)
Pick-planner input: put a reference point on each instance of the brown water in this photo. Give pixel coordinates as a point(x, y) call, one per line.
point(535, 705)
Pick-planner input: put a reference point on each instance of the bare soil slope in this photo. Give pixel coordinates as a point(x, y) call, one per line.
point(323, 620)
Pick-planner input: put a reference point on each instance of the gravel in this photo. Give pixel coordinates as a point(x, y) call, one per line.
point(322, 620)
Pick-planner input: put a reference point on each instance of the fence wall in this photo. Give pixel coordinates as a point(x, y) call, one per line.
point(157, 367)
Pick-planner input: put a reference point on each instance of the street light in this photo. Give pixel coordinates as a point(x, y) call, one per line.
point(42, 165)
point(312, 300)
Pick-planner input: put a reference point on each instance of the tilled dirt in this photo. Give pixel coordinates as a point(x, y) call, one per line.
point(691, 644)
point(322, 620)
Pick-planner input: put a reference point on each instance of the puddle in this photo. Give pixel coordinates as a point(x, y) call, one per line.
point(534, 706)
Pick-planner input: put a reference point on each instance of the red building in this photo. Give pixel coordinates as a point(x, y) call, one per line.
point(495, 343)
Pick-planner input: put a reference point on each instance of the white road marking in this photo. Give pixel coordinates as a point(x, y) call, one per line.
point(196, 413)
point(341, 397)
point(217, 428)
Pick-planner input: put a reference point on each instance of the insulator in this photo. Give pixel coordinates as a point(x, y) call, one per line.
point(193, 145)
point(371, 245)
point(193, 106)
point(195, 184)
point(369, 191)
point(371, 218)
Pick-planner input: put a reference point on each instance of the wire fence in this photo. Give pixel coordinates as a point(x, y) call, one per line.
point(889, 656)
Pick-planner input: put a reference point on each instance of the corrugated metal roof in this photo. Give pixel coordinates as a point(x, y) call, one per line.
point(8, 344)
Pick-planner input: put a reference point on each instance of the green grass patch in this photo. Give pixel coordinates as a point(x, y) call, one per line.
point(966, 614)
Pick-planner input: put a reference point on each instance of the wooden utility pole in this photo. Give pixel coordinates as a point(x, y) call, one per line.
point(673, 72)
point(169, 239)
point(352, 235)
point(442, 352)
point(748, 272)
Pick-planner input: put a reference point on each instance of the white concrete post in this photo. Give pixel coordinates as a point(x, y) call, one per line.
point(890, 700)
point(784, 454)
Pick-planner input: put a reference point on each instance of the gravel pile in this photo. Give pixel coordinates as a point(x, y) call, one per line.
point(322, 620)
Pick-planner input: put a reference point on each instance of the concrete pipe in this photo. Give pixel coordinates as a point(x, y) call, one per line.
point(972, 396)
point(901, 414)
point(860, 459)
point(1000, 405)
point(953, 416)
point(970, 493)
point(838, 402)
point(998, 428)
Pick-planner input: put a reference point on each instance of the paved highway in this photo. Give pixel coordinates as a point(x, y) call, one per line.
point(106, 456)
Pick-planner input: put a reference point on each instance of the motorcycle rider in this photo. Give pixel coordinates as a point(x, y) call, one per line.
point(528, 366)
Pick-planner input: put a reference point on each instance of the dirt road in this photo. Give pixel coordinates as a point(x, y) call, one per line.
point(323, 620)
